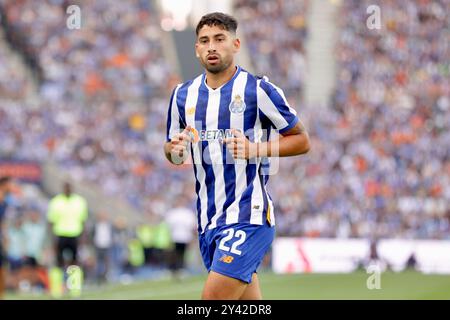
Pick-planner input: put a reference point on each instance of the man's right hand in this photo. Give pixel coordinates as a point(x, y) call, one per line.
point(177, 148)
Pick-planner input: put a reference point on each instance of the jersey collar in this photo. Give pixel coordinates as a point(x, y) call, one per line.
point(236, 73)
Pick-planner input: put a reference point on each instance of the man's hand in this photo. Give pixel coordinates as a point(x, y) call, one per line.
point(293, 142)
point(176, 150)
point(239, 146)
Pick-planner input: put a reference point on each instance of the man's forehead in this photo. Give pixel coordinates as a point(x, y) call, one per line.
point(211, 31)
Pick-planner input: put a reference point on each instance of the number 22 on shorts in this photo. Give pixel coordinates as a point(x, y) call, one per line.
point(230, 233)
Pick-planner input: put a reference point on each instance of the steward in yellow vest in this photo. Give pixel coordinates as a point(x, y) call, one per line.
point(67, 213)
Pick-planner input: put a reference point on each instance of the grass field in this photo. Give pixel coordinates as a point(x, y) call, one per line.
point(406, 285)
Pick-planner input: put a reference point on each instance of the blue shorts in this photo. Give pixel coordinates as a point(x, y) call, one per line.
point(236, 250)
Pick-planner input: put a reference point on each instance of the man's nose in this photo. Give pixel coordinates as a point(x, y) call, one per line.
point(211, 47)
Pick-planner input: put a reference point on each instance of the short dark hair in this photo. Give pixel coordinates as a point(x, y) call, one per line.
point(220, 19)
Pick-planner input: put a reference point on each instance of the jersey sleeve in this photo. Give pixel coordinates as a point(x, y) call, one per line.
point(273, 103)
point(173, 116)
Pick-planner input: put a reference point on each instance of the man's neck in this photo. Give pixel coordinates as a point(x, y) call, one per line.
point(215, 80)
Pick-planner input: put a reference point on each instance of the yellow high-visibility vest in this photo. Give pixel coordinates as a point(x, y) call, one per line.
point(146, 234)
point(67, 214)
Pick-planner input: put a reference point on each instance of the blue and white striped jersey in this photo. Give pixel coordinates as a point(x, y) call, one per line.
point(228, 190)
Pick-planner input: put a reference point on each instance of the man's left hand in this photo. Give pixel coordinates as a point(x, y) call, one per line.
point(239, 146)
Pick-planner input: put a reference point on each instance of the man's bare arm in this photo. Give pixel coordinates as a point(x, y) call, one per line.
point(293, 142)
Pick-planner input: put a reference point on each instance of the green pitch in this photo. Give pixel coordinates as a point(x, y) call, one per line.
point(406, 285)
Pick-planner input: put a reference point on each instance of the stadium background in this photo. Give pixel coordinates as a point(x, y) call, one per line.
point(89, 105)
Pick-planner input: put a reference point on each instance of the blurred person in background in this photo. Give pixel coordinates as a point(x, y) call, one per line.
point(35, 233)
point(373, 259)
point(162, 242)
point(15, 248)
point(182, 225)
point(102, 239)
point(5, 190)
point(136, 256)
point(67, 213)
point(120, 237)
point(145, 232)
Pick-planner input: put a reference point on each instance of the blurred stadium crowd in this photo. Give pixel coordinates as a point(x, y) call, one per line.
point(380, 162)
point(380, 159)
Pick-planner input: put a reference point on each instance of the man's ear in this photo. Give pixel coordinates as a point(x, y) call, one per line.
point(196, 52)
point(237, 45)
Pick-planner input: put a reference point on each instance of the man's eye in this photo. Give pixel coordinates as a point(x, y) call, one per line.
point(203, 41)
point(220, 39)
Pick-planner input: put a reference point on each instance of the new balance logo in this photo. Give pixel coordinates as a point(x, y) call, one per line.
point(226, 259)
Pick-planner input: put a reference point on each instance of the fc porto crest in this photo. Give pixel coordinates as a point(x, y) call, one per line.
point(237, 106)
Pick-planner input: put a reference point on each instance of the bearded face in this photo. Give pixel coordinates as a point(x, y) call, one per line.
point(215, 48)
